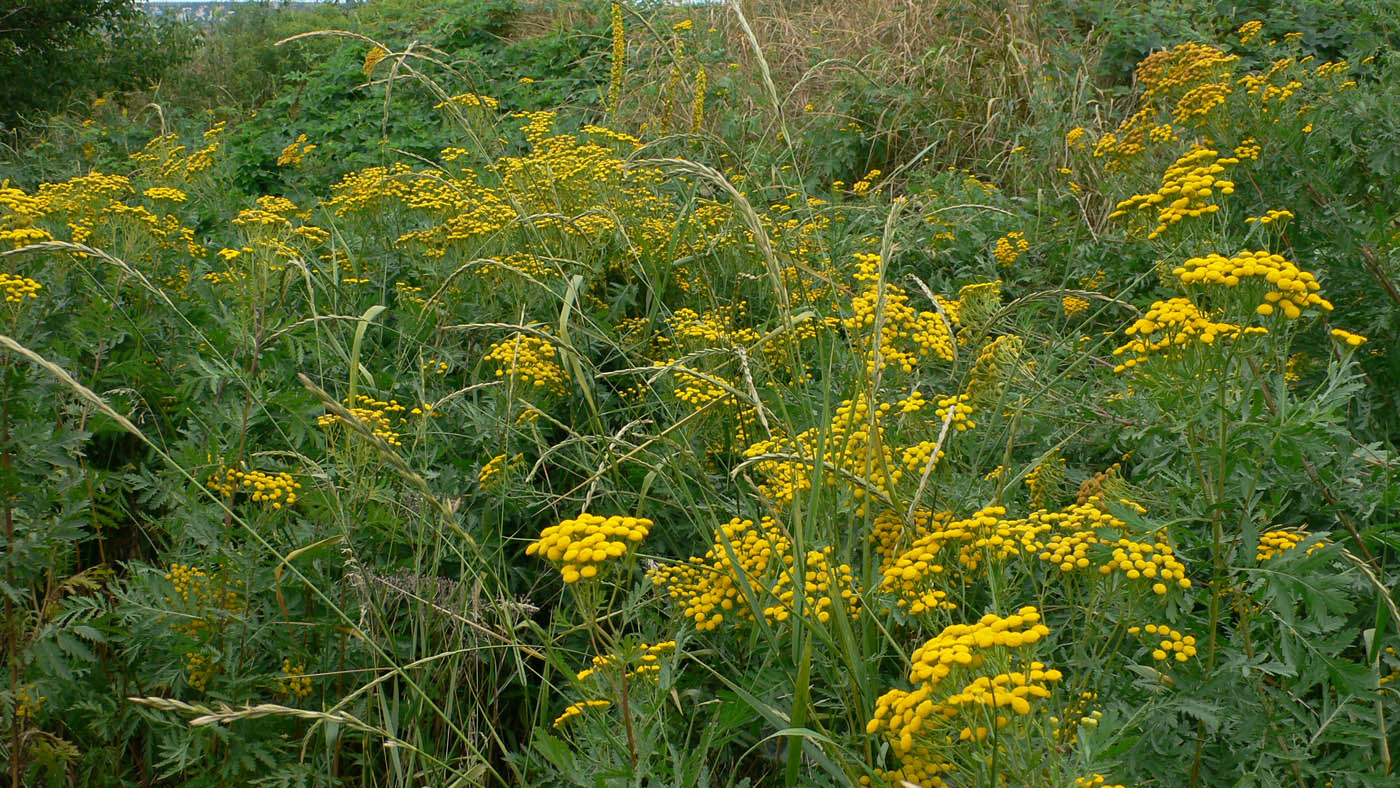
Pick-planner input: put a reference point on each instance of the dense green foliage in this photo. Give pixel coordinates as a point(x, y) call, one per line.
point(489, 392)
point(56, 51)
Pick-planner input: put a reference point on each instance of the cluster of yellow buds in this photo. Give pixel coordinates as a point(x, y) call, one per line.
point(199, 670)
point(381, 416)
point(1348, 338)
point(492, 472)
point(295, 152)
point(1249, 148)
point(889, 533)
point(906, 335)
point(863, 185)
point(165, 193)
point(1199, 101)
point(1186, 190)
point(436, 367)
point(648, 661)
point(1046, 480)
point(189, 581)
point(469, 101)
point(918, 576)
point(580, 545)
point(1098, 780)
point(374, 57)
point(711, 587)
point(1292, 289)
point(818, 599)
point(907, 717)
point(1011, 246)
point(1277, 542)
point(1171, 326)
point(1270, 216)
point(293, 682)
point(578, 708)
point(195, 586)
point(1168, 71)
point(996, 365)
point(1173, 644)
point(278, 489)
point(18, 288)
point(529, 360)
point(28, 702)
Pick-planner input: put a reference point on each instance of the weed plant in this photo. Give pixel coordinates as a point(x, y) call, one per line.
point(683, 434)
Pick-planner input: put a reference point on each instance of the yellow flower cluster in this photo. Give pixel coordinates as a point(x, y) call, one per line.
point(1011, 246)
point(822, 584)
point(1098, 780)
point(469, 101)
point(648, 662)
point(529, 361)
point(1083, 536)
point(1168, 71)
point(889, 534)
point(278, 488)
point(713, 391)
point(200, 670)
point(293, 682)
point(1350, 339)
point(758, 558)
point(1270, 217)
point(1199, 101)
point(1133, 136)
point(1075, 550)
point(190, 581)
point(707, 588)
point(919, 576)
point(863, 185)
point(913, 721)
point(1291, 289)
point(1187, 186)
point(164, 157)
point(383, 417)
point(915, 458)
point(294, 154)
point(856, 451)
point(165, 193)
point(1173, 644)
point(712, 328)
point(1169, 328)
point(1278, 541)
point(206, 599)
point(18, 288)
point(492, 472)
point(580, 545)
point(1247, 32)
point(1249, 148)
point(578, 708)
point(906, 335)
point(28, 702)
point(959, 644)
point(1262, 88)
